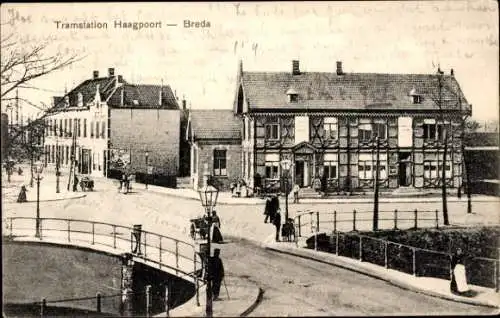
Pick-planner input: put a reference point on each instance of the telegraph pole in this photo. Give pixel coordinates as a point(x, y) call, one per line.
point(375, 199)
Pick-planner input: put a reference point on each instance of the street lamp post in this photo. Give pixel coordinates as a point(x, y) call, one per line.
point(208, 197)
point(147, 168)
point(286, 164)
point(37, 169)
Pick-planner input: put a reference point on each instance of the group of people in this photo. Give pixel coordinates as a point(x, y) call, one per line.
point(272, 212)
point(125, 183)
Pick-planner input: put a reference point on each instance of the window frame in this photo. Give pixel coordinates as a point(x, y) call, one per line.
point(328, 123)
point(220, 162)
point(269, 128)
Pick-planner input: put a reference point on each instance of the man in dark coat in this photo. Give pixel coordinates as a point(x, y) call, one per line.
point(267, 210)
point(277, 224)
point(215, 273)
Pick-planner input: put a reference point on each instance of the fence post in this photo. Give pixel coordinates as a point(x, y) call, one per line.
point(41, 227)
point(386, 258)
point(437, 220)
point(497, 270)
point(196, 284)
point(93, 232)
point(148, 300)
point(354, 220)
point(43, 306)
point(299, 225)
point(335, 221)
point(312, 221)
point(159, 251)
point(69, 231)
point(316, 241)
point(317, 221)
point(337, 243)
point(11, 234)
point(396, 219)
point(414, 261)
point(114, 236)
point(360, 248)
point(167, 314)
point(145, 244)
point(98, 300)
point(415, 219)
point(177, 255)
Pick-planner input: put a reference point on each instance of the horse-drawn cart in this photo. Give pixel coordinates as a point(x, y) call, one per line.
point(199, 227)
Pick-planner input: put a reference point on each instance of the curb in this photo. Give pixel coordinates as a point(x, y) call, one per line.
point(382, 276)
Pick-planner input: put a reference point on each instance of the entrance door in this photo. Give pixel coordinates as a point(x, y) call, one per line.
point(85, 161)
point(299, 173)
point(405, 169)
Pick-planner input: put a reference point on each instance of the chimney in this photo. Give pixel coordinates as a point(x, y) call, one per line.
point(119, 79)
point(96, 74)
point(111, 72)
point(339, 68)
point(452, 73)
point(295, 67)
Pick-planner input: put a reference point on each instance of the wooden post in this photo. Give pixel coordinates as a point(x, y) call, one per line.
point(93, 233)
point(415, 219)
point(196, 284)
point(386, 258)
point(335, 221)
point(496, 276)
point(98, 300)
point(299, 224)
point(159, 258)
point(145, 244)
point(354, 220)
point(414, 261)
point(396, 219)
point(10, 221)
point(43, 306)
point(114, 236)
point(437, 220)
point(317, 222)
point(148, 300)
point(69, 231)
point(337, 243)
point(360, 248)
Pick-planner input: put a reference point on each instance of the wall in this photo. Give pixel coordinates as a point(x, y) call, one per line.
point(155, 130)
point(233, 162)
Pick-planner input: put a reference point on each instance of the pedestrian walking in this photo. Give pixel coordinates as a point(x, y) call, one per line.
point(215, 219)
point(22, 195)
point(458, 284)
point(295, 190)
point(267, 209)
point(277, 224)
point(215, 273)
point(75, 183)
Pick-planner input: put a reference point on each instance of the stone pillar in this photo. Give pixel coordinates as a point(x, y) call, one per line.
point(127, 286)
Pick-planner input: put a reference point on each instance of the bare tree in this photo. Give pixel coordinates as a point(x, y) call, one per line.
point(20, 66)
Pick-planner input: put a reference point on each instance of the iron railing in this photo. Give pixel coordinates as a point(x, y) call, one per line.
point(164, 251)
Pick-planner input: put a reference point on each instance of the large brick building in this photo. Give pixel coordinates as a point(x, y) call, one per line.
point(215, 139)
point(326, 124)
point(110, 124)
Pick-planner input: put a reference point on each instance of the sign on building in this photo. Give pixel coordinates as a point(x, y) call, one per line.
point(301, 129)
point(119, 158)
point(405, 132)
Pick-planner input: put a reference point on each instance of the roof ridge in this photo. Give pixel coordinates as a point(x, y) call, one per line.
point(344, 73)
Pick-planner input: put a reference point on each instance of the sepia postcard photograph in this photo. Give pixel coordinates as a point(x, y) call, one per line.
point(261, 159)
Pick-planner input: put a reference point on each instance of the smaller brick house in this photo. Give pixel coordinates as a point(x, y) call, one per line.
point(215, 141)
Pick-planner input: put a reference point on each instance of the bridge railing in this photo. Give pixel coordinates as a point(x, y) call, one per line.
point(307, 222)
point(164, 251)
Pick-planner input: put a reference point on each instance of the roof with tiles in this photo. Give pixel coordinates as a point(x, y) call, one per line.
point(119, 94)
point(214, 124)
point(348, 91)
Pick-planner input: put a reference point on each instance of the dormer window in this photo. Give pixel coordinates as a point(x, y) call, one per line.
point(66, 101)
point(80, 100)
point(293, 95)
point(416, 97)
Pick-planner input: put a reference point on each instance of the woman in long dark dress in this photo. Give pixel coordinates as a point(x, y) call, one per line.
point(22, 195)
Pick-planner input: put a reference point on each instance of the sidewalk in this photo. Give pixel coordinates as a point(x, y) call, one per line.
point(427, 285)
point(226, 198)
point(240, 298)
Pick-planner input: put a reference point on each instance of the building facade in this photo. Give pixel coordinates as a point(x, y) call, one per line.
point(106, 125)
point(332, 126)
point(215, 139)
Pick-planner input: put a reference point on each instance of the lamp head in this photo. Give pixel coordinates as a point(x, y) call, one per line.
point(208, 196)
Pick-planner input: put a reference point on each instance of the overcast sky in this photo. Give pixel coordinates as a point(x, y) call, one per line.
point(201, 63)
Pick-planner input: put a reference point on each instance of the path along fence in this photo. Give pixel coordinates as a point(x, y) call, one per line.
point(164, 252)
point(481, 271)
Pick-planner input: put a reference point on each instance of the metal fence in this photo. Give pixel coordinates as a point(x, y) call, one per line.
point(164, 251)
point(481, 271)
